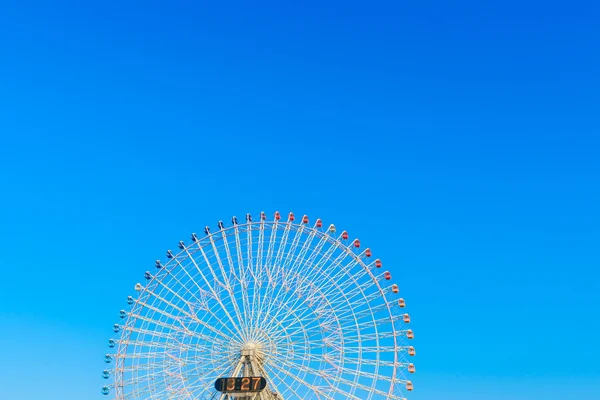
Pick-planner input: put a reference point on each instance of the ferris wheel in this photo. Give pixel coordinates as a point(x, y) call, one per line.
point(263, 309)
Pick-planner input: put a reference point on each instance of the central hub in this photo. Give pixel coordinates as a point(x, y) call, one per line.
point(251, 349)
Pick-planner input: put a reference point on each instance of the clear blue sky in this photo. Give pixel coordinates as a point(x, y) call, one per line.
point(461, 143)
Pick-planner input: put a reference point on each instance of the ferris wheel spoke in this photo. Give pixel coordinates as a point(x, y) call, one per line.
point(265, 297)
point(351, 287)
point(317, 291)
point(240, 257)
point(364, 272)
point(257, 282)
point(152, 390)
point(243, 277)
point(270, 250)
point(379, 321)
point(290, 255)
point(331, 250)
point(341, 294)
point(269, 293)
point(327, 259)
point(228, 284)
point(381, 363)
point(369, 349)
point(146, 344)
point(287, 327)
point(272, 377)
point(233, 271)
point(216, 281)
point(218, 367)
point(203, 385)
point(359, 297)
point(252, 269)
point(292, 390)
point(348, 286)
point(284, 363)
point(306, 299)
point(356, 372)
point(259, 273)
point(307, 385)
point(282, 249)
point(304, 268)
point(172, 328)
point(342, 276)
point(316, 273)
point(312, 270)
point(260, 269)
point(149, 366)
point(230, 262)
point(368, 337)
point(296, 259)
point(202, 302)
point(157, 310)
point(286, 263)
point(210, 287)
point(139, 381)
point(313, 330)
point(306, 245)
point(366, 312)
point(144, 383)
point(278, 293)
point(192, 317)
point(146, 332)
point(162, 281)
point(358, 385)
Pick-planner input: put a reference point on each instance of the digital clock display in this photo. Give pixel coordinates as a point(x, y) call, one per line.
point(241, 384)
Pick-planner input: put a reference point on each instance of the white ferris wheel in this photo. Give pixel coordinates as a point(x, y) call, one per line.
point(263, 309)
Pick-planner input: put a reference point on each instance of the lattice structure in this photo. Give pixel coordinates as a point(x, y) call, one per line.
point(301, 305)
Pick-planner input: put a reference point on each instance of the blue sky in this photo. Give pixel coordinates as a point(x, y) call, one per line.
point(460, 142)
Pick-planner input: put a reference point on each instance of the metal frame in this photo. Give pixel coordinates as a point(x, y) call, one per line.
point(323, 319)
